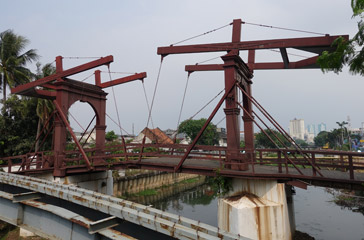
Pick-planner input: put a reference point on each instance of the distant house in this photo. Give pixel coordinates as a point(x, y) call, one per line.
point(222, 137)
point(91, 137)
point(153, 136)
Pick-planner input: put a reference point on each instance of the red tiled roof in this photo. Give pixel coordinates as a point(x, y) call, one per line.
point(157, 135)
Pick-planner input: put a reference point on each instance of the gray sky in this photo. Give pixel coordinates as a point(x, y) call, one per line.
point(131, 31)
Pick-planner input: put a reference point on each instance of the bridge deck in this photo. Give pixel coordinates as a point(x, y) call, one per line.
point(330, 176)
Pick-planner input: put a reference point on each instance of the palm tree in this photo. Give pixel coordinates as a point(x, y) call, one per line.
point(13, 60)
point(44, 106)
point(342, 129)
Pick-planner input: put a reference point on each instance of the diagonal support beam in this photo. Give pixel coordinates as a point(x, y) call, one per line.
point(84, 67)
point(64, 119)
point(227, 92)
point(284, 57)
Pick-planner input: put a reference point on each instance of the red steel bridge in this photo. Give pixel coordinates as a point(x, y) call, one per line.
point(289, 164)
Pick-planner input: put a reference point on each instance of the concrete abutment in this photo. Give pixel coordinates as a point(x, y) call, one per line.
point(258, 209)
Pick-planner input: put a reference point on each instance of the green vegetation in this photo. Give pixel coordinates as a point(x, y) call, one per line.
point(18, 125)
point(147, 192)
point(348, 53)
point(262, 141)
point(339, 138)
point(111, 136)
point(192, 127)
point(13, 60)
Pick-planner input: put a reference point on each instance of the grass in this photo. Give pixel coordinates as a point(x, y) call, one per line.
point(147, 192)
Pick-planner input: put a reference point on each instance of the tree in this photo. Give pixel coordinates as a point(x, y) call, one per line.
point(13, 60)
point(262, 141)
point(343, 130)
point(301, 143)
point(192, 127)
point(18, 125)
point(350, 53)
point(111, 136)
point(44, 106)
point(321, 139)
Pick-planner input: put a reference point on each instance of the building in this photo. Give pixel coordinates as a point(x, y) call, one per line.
point(222, 137)
point(297, 128)
point(321, 127)
point(311, 129)
point(153, 136)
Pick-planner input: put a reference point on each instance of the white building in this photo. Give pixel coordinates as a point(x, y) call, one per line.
point(297, 128)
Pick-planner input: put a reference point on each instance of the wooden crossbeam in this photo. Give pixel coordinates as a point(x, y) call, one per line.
point(137, 76)
point(84, 67)
point(310, 44)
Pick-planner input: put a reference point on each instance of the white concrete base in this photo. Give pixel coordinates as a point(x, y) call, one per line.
point(101, 182)
point(25, 233)
point(256, 209)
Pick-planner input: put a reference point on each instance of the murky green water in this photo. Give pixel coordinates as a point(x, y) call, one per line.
point(315, 213)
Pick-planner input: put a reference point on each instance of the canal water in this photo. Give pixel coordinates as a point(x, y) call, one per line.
point(315, 212)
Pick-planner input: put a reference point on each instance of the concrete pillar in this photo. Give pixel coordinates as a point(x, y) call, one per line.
point(256, 209)
point(101, 182)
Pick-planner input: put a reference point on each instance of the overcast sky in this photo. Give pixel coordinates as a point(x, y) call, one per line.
point(132, 31)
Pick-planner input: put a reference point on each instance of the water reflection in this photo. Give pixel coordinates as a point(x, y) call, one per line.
point(317, 215)
point(315, 212)
point(197, 200)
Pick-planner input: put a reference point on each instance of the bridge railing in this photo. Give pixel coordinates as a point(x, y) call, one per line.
point(134, 152)
point(344, 161)
point(30, 161)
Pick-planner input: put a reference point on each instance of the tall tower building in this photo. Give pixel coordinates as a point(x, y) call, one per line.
point(321, 127)
point(297, 128)
point(311, 128)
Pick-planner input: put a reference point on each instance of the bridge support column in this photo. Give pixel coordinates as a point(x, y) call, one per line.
point(101, 182)
point(256, 209)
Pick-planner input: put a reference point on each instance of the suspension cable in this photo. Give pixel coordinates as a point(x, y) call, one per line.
point(119, 72)
point(220, 120)
point(87, 77)
point(282, 28)
point(155, 90)
point(115, 103)
point(208, 60)
point(202, 34)
point(116, 123)
point(291, 54)
point(76, 121)
point(147, 101)
point(207, 104)
point(183, 101)
point(82, 57)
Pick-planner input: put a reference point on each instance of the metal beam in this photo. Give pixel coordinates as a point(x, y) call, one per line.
point(166, 223)
point(84, 67)
point(26, 196)
point(311, 44)
point(50, 221)
point(284, 57)
point(64, 119)
point(306, 63)
point(137, 76)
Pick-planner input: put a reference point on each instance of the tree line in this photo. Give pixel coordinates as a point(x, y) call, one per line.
point(22, 118)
